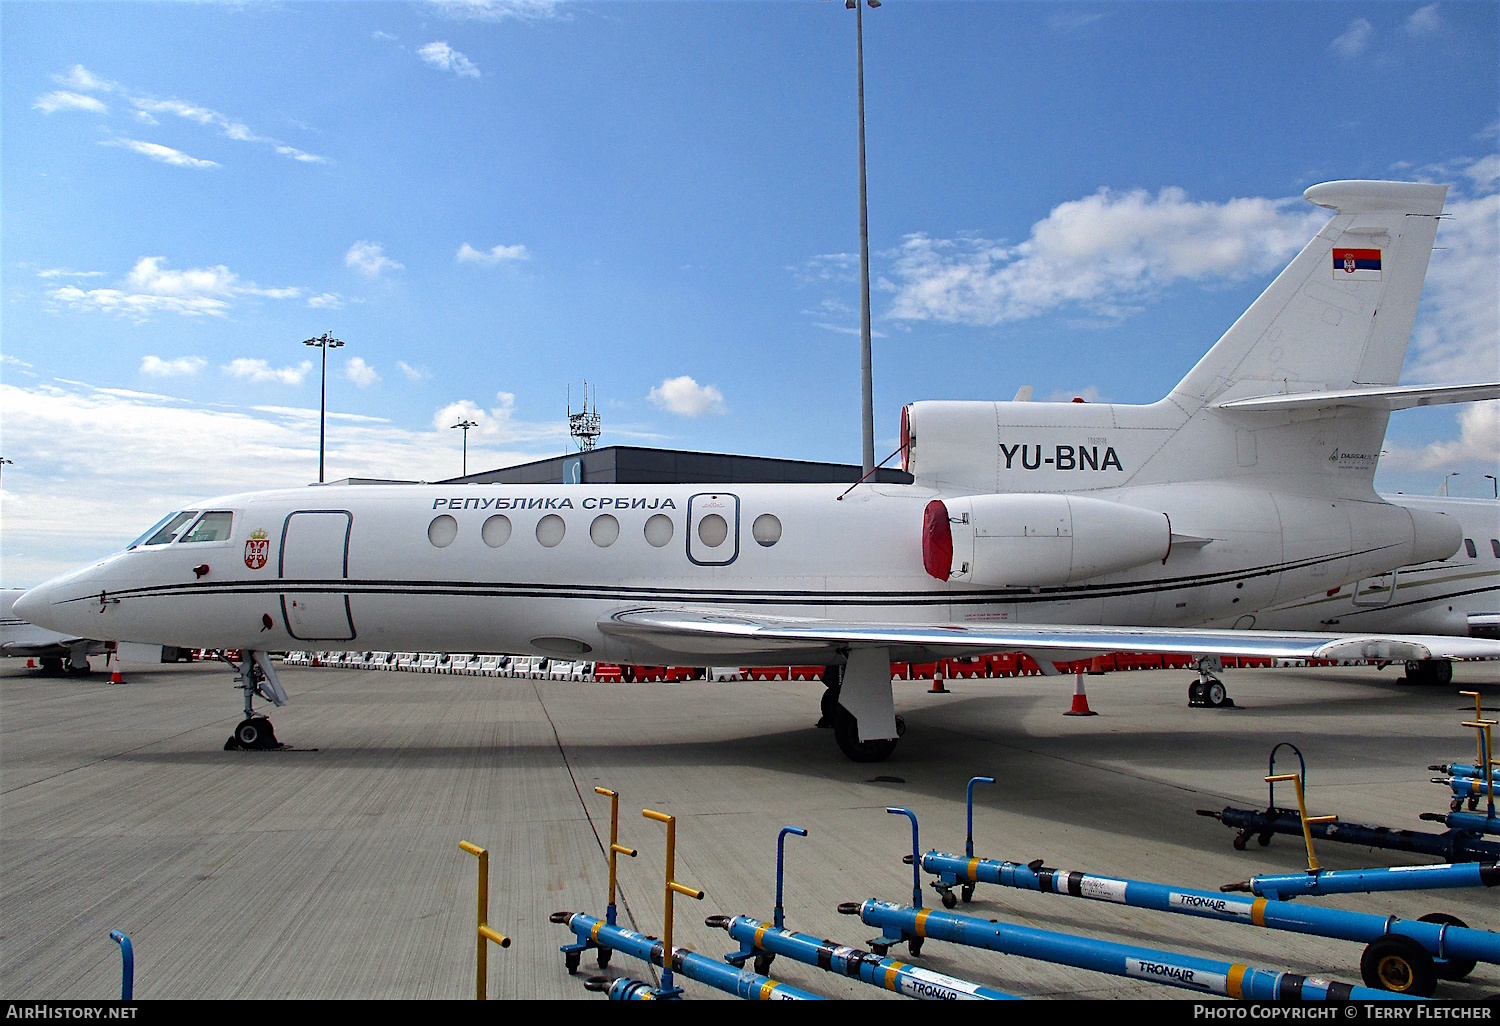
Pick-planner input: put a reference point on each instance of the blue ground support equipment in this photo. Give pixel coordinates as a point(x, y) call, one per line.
point(757, 938)
point(1472, 822)
point(127, 965)
point(1285, 886)
point(1454, 845)
point(705, 970)
point(1189, 972)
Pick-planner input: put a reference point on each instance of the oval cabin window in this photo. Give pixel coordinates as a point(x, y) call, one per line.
point(659, 530)
point(712, 530)
point(604, 530)
point(550, 530)
point(496, 530)
point(767, 529)
point(442, 531)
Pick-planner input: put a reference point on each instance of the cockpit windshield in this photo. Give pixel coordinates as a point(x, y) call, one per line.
point(164, 530)
point(213, 526)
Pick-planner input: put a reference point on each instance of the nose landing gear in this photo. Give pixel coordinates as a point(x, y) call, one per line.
point(255, 677)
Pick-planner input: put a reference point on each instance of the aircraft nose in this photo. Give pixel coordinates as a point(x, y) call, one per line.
point(31, 605)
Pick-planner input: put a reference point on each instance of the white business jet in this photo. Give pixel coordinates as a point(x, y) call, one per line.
point(1062, 530)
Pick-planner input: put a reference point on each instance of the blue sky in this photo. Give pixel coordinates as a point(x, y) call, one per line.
point(490, 202)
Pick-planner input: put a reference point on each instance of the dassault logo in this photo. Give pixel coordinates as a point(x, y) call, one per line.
point(1064, 457)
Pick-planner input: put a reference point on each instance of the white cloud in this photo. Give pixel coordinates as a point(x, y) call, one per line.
point(491, 422)
point(499, 10)
point(445, 58)
point(118, 462)
point(467, 254)
point(181, 367)
point(369, 258)
point(61, 100)
point(377, 34)
point(1477, 445)
point(1354, 40)
point(151, 288)
point(361, 373)
point(1457, 335)
point(411, 373)
point(156, 151)
point(63, 272)
point(686, 397)
point(1100, 253)
point(80, 77)
point(258, 371)
point(326, 301)
point(1425, 21)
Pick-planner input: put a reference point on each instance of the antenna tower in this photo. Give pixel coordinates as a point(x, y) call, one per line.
point(584, 425)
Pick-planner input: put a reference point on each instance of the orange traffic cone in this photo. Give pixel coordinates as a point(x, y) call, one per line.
point(115, 677)
point(937, 682)
point(1080, 701)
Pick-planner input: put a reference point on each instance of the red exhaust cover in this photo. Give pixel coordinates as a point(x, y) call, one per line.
point(937, 541)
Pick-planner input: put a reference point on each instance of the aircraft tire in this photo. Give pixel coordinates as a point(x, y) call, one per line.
point(1440, 672)
point(846, 733)
point(1449, 968)
point(1216, 696)
point(827, 705)
point(52, 666)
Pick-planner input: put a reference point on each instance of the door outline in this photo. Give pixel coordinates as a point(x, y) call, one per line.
point(281, 572)
point(692, 531)
point(1377, 579)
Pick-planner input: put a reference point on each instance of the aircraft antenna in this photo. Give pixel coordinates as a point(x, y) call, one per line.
point(584, 425)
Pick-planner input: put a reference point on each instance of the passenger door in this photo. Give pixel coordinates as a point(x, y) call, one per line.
point(314, 555)
point(713, 536)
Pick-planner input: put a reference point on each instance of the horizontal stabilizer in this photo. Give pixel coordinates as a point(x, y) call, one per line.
point(722, 632)
point(1374, 397)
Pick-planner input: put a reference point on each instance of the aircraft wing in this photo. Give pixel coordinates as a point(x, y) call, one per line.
point(1375, 397)
point(718, 632)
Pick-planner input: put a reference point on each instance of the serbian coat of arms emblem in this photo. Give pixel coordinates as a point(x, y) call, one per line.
point(257, 550)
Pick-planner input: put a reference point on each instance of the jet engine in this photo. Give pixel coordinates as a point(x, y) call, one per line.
point(1038, 540)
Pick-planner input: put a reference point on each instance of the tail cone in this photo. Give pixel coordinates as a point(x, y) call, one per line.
point(1080, 700)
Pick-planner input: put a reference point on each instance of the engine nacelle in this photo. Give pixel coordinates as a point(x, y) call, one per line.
point(1035, 541)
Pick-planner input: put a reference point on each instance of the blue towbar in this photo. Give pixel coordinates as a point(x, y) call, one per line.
point(127, 965)
point(913, 981)
point(1473, 822)
point(1458, 769)
point(1364, 881)
point(1454, 845)
point(711, 972)
point(1189, 972)
point(1410, 949)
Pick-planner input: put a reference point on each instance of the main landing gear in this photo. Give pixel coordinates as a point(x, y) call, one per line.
point(846, 727)
point(1208, 691)
point(255, 677)
point(1429, 671)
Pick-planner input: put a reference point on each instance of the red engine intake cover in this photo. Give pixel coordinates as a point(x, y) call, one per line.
point(937, 541)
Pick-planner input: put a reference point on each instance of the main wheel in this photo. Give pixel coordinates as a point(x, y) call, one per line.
point(1398, 964)
point(1216, 695)
point(846, 733)
point(1195, 694)
point(1416, 672)
point(1449, 968)
point(248, 733)
point(1440, 672)
point(828, 704)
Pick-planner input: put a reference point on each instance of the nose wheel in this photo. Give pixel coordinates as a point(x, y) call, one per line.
point(255, 732)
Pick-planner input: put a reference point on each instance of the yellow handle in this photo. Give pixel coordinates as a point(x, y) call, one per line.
point(684, 889)
point(1282, 777)
point(472, 849)
point(660, 817)
point(605, 791)
point(498, 938)
point(620, 849)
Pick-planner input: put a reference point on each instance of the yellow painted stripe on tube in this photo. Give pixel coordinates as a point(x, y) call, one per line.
point(1237, 981)
point(890, 974)
point(594, 933)
point(921, 923)
point(973, 871)
point(1258, 912)
point(766, 989)
point(760, 931)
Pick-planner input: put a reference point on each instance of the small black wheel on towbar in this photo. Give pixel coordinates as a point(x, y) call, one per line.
point(763, 962)
point(950, 900)
point(1398, 964)
point(968, 893)
point(1449, 968)
point(571, 960)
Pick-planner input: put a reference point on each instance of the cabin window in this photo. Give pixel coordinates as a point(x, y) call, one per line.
point(712, 530)
point(1470, 549)
point(604, 530)
point(659, 529)
point(766, 530)
point(170, 529)
point(212, 526)
point(442, 531)
point(550, 530)
point(1495, 547)
point(496, 530)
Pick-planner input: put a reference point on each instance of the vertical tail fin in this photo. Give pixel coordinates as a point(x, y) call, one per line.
point(1341, 313)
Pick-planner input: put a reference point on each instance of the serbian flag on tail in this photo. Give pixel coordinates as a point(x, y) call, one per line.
point(1356, 264)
